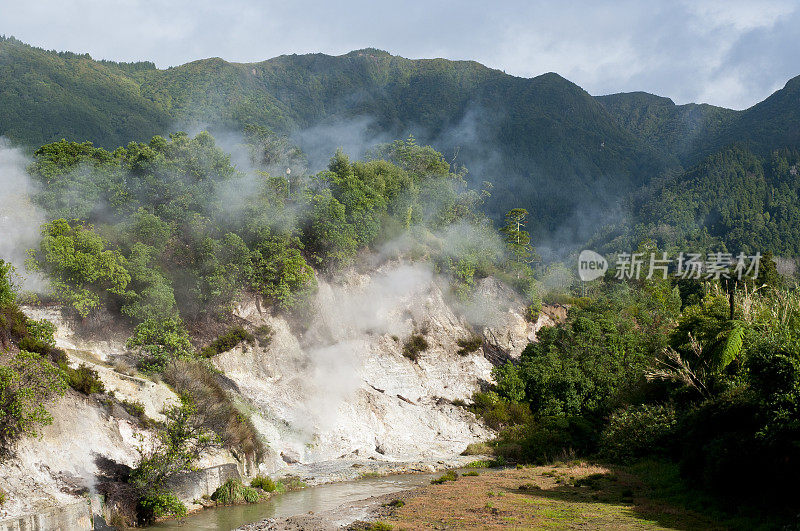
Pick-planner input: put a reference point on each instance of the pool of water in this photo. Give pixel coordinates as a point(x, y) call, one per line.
point(316, 499)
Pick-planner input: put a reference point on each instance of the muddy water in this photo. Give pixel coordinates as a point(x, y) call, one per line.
point(316, 499)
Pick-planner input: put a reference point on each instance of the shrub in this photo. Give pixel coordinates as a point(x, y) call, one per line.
point(264, 334)
point(84, 379)
point(13, 325)
point(488, 463)
point(450, 475)
point(471, 473)
point(234, 492)
point(638, 431)
point(292, 483)
point(135, 409)
point(481, 448)
point(498, 413)
point(396, 503)
point(7, 292)
point(3, 497)
point(158, 505)
point(227, 341)
point(264, 483)
point(177, 445)
point(469, 345)
point(510, 384)
point(413, 346)
point(42, 330)
point(27, 382)
point(161, 341)
point(220, 414)
point(550, 438)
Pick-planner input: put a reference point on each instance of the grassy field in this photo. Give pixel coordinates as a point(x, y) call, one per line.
point(564, 496)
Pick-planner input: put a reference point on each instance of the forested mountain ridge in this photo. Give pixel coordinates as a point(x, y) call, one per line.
point(545, 140)
point(545, 143)
point(693, 131)
point(675, 130)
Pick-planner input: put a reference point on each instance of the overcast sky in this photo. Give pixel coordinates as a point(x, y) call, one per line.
point(727, 53)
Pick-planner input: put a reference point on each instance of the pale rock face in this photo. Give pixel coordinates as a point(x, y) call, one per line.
point(345, 389)
point(63, 457)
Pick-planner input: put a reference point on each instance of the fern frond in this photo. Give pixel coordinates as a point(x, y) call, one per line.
point(731, 348)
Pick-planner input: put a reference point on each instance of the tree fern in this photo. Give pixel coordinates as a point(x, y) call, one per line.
point(730, 344)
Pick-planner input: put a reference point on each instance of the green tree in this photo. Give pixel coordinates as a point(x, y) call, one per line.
point(178, 444)
point(27, 382)
point(517, 239)
point(83, 271)
point(161, 341)
point(280, 273)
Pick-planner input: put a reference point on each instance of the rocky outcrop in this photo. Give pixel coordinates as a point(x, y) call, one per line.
point(345, 389)
point(75, 516)
point(62, 463)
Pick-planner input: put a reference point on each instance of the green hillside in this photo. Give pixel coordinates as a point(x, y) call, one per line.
point(544, 141)
point(675, 130)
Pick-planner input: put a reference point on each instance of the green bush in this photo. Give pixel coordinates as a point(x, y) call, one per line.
point(498, 413)
point(234, 492)
point(263, 334)
point(27, 382)
point(480, 448)
point(161, 341)
point(177, 445)
point(230, 339)
point(7, 292)
point(42, 331)
point(159, 505)
point(638, 431)
point(264, 483)
point(291, 483)
point(509, 383)
point(135, 409)
point(450, 475)
point(550, 438)
point(413, 346)
point(469, 345)
point(84, 379)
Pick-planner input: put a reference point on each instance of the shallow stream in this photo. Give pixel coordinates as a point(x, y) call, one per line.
point(316, 499)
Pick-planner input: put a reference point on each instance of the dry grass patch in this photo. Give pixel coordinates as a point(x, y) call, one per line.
point(565, 496)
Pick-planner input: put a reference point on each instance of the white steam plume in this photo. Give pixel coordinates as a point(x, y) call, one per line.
point(20, 218)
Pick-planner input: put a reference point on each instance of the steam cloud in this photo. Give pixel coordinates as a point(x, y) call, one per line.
point(20, 218)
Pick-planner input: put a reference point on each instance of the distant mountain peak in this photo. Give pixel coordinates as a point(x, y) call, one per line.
point(368, 52)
